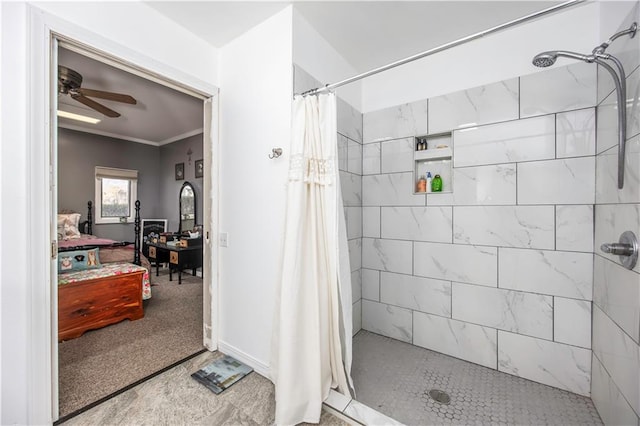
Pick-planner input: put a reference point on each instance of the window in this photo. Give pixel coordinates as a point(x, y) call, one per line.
point(116, 193)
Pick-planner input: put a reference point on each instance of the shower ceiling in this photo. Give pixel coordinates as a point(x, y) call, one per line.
point(366, 33)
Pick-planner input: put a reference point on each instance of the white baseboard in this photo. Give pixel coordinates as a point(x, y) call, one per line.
point(260, 367)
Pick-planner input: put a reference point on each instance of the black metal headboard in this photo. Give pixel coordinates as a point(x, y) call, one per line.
point(89, 222)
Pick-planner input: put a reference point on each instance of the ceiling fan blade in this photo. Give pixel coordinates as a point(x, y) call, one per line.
point(98, 107)
point(118, 97)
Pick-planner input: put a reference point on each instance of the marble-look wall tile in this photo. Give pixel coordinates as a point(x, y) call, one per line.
point(371, 222)
point(574, 228)
point(616, 291)
point(396, 122)
point(633, 107)
point(417, 223)
point(395, 189)
point(387, 320)
point(353, 217)
point(481, 105)
point(351, 189)
point(611, 221)
point(470, 342)
point(371, 154)
point(554, 364)
point(482, 185)
point(607, 175)
point(342, 152)
point(510, 226)
point(455, 262)
point(607, 124)
point(567, 181)
point(523, 313)
point(512, 141)
point(356, 285)
point(416, 293)
point(576, 133)
point(387, 255)
point(558, 89)
point(349, 120)
point(610, 403)
point(354, 162)
point(397, 155)
point(355, 254)
point(371, 284)
point(572, 322)
point(556, 273)
point(619, 355)
point(356, 319)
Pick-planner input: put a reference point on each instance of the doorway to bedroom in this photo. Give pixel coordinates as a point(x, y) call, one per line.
point(123, 138)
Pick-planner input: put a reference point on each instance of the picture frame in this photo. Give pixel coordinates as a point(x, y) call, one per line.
point(148, 226)
point(199, 168)
point(179, 171)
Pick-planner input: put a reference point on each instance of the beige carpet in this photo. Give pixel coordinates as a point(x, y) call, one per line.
point(104, 361)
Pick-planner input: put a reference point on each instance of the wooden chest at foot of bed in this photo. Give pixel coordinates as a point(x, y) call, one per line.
point(91, 304)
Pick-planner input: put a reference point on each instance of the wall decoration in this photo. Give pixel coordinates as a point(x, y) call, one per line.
point(180, 171)
point(199, 168)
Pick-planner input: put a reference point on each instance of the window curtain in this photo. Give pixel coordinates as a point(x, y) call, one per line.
point(311, 350)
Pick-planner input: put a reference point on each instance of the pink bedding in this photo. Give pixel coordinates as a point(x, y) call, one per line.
point(107, 254)
point(85, 240)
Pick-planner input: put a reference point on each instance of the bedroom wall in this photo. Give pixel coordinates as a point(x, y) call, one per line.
point(79, 153)
point(171, 154)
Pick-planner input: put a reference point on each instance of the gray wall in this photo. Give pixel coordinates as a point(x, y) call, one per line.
point(79, 153)
point(170, 155)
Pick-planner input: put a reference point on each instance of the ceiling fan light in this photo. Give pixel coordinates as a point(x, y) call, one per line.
point(78, 117)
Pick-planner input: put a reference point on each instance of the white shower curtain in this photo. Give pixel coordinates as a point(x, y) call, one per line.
point(312, 327)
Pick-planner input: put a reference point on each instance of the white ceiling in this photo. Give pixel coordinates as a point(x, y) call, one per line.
point(161, 115)
point(367, 34)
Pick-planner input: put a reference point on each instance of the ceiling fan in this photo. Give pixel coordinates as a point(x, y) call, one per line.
point(69, 82)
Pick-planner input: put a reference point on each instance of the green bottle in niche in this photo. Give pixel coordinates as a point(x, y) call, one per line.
point(436, 184)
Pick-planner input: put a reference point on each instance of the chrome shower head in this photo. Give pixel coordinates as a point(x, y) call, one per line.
point(546, 59)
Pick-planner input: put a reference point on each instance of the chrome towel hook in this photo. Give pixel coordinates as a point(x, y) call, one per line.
point(275, 153)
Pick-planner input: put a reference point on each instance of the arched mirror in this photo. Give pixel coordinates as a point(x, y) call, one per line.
point(187, 207)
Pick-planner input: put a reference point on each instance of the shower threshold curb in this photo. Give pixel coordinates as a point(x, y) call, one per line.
point(341, 405)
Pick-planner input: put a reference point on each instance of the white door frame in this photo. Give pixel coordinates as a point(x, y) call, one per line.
point(44, 31)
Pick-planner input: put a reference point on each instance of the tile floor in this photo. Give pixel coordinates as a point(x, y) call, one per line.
point(174, 398)
point(394, 378)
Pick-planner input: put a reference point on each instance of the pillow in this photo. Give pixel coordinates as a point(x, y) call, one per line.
point(68, 226)
point(78, 260)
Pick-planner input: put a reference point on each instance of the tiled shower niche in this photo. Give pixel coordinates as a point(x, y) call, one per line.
point(499, 270)
point(434, 154)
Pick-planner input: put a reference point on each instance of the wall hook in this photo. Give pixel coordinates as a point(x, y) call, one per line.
point(275, 153)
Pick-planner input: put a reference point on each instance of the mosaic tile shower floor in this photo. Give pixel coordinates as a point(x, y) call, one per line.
point(395, 378)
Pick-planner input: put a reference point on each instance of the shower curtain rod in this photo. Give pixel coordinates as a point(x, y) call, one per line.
point(445, 46)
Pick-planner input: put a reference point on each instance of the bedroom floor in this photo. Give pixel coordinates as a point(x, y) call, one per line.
point(174, 398)
point(104, 361)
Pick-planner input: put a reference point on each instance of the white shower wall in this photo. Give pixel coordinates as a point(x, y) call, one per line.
point(498, 272)
point(615, 384)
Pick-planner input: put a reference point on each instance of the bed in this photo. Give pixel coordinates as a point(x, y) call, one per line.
point(100, 281)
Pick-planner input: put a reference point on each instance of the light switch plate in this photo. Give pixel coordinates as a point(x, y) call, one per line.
point(224, 239)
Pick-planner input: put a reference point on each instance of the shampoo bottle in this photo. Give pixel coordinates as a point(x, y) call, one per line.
point(436, 184)
point(428, 181)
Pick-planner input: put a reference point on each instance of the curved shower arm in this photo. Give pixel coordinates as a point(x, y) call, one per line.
point(622, 110)
point(631, 30)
